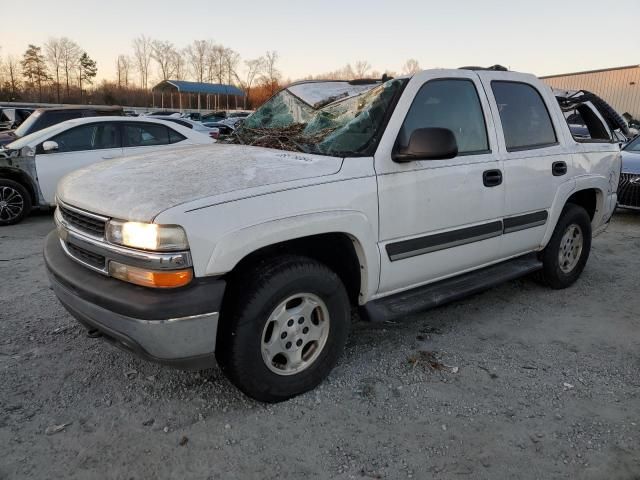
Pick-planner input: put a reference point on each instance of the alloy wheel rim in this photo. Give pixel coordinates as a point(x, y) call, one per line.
point(11, 203)
point(295, 334)
point(571, 246)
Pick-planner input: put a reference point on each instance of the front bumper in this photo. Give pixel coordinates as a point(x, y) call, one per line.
point(176, 327)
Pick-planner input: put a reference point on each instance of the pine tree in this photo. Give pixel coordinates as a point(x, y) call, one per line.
point(87, 70)
point(34, 68)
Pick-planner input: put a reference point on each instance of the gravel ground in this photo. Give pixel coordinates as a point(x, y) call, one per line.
point(535, 384)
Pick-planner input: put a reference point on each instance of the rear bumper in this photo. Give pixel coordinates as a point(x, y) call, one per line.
point(175, 327)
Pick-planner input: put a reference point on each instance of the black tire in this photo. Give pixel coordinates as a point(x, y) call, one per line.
point(13, 191)
point(254, 297)
point(552, 274)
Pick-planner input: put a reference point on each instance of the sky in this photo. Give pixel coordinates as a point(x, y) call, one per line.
point(541, 37)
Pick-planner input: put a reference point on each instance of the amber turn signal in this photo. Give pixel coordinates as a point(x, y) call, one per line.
point(151, 278)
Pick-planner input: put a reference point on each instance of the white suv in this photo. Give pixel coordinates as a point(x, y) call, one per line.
point(390, 197)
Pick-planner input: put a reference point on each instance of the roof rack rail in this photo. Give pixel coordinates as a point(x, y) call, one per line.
point(363, 81)
point(495, 68)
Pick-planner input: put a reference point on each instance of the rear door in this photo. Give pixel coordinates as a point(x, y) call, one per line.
point(77, 147)
point(533, 147)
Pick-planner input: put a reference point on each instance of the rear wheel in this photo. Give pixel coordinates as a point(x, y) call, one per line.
point(566, 254)
point(286, 328)
point(15, 202)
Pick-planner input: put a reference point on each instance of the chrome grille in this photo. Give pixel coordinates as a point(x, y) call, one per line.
point(629, 190)
point(85, 256)
point(83, 222)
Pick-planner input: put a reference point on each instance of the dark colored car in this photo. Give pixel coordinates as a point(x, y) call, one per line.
point(629, 186)
point(45, 117)
point(11, 117)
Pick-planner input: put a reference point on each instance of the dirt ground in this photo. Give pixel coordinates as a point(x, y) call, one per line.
point(537, 384)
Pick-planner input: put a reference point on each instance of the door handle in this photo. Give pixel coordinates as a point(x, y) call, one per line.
point(559, 168)
point(492, 178)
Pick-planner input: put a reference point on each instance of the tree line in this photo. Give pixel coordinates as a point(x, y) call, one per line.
point(63, 72)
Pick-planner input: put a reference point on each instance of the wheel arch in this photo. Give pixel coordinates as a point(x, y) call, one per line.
point(23, 179)
point(589, 193)
point(337, 239)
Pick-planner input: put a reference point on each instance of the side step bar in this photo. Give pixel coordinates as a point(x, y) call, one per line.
point(435, 294)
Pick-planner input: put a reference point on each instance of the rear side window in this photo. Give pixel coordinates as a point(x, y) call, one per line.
point(179, 122)
point(452, 104)
point(145, 135)
point(585, 125)
point(525, 119)
point(175, 137)
point(53, 118)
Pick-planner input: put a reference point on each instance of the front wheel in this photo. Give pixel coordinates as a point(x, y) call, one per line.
point(286, 327)
point(566, 254)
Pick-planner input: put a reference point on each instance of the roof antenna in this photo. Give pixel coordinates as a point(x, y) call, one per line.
point(386, 78)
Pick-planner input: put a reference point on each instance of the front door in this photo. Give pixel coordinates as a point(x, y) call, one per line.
point(77, 147)
point(439, 217)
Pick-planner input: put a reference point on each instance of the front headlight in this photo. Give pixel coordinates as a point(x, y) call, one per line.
point(147, 236)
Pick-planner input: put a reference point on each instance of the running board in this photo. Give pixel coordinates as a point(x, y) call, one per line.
point(435, 294)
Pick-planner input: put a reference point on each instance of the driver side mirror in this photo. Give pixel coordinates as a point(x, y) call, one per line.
point(428, 144)
point(49, 146)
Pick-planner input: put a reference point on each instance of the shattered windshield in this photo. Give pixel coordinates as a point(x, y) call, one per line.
point(321, 118)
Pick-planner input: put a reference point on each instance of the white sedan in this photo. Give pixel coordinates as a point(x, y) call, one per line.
point(31, 167)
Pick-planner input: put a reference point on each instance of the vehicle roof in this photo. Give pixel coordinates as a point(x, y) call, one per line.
point(118, 118)
point(81, 107)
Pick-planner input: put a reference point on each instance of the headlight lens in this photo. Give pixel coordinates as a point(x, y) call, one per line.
point(147, 236)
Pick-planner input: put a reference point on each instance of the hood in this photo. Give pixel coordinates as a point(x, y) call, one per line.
point(142, 186)
point(7, 137)
point(630, 162)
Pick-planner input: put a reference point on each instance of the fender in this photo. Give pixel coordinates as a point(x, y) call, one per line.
point(585, 182)
point(236, 245)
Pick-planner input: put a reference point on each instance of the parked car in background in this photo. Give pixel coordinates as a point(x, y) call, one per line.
point(223, 128)
point(220, 115)
point(629, 187)
point(193, 125)
point(11, 118)
point(45, 117)
point(31, 167)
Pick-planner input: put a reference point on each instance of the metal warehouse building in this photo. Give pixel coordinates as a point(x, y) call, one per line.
point(619, 86)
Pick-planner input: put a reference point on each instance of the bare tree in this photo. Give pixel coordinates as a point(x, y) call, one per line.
point(216, 63)
point(361, 68)
point(53, 53)
point(197, 54)
point(271, 74)
point(142, 52)
point(164, 53)
point(69, 54)
point(12, 73)
point(410, 67)
point(253, 68)
point(231, 60)
point(180, 67)
point(123, 67)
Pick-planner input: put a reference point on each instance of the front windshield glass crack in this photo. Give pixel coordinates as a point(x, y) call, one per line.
point(343, 127)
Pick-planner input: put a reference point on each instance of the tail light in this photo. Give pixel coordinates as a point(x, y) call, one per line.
point(215, 134)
